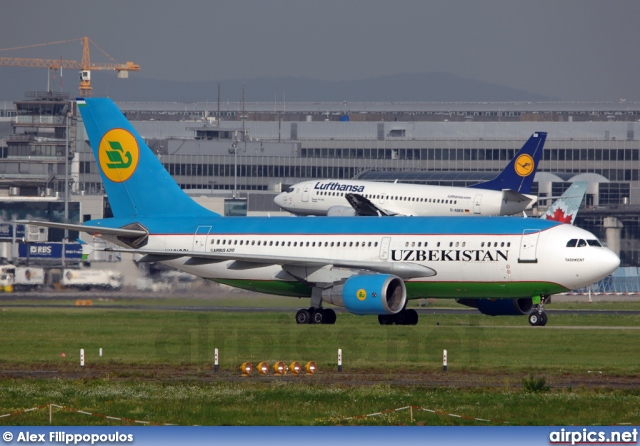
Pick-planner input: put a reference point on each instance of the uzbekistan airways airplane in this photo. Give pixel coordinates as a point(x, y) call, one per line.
point(507, 265)
point(504, 195)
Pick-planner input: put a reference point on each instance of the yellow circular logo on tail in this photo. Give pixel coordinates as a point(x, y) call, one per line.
point(361, 294)
point(524, 165)
point(118, 155)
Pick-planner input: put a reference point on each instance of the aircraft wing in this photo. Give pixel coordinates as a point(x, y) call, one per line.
point(404, 270)
point(364, 207)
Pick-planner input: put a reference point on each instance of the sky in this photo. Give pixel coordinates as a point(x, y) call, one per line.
point(573, 50)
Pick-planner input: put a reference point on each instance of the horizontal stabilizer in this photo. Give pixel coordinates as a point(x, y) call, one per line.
point(93, 230)
point(509, 195)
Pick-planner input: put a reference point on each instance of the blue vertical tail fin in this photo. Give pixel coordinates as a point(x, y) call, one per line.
point(519, 173)
point(134, 179)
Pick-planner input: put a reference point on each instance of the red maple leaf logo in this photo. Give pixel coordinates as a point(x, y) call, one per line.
point(559, 215)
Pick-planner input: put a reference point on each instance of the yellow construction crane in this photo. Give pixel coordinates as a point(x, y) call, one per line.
point(85, 66)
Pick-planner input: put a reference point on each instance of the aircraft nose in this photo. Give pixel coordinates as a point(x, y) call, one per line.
point(609, 261)
point(278, 200)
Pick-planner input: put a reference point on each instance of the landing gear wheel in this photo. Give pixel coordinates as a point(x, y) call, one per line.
point(329, 316)
point(401, 318)
point(543, 319)
point(412, 317)
point(303, 317)
point(317, 316)
point(535, 319)
point(385, 319)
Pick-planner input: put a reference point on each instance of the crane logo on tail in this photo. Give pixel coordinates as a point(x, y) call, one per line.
point(524, 165)
point(118, 155)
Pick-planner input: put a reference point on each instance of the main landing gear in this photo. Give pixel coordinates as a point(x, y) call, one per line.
point(404, 317)
point(316, 316)
point(538, 317)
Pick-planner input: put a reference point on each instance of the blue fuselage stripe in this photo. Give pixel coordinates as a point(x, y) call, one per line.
point(177, 225)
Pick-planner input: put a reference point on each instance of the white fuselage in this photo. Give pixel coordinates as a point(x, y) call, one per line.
point(465, 265)
point(319, 196)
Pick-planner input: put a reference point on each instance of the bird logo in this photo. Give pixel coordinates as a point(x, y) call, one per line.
point(118, 155)
point(361, 294)
point(524, 165)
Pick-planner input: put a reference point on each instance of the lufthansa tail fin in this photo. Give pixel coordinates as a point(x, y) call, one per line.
point(565, 208)
point(134, 179)
point(519, 173)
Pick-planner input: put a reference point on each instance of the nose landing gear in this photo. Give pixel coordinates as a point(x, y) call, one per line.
point(538, 317)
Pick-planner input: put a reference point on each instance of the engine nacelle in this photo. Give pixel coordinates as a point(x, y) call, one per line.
point(341, 211)
point(500, 307)
point(369, 294)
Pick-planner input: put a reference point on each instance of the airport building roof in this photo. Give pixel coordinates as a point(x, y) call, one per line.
point(389, 107)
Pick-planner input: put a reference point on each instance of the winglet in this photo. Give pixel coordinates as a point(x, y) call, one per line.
point(519, 173)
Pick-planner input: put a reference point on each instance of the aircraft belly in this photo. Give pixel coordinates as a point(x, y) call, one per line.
point(479, 290)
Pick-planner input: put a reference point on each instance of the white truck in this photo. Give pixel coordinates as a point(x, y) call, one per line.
point(21, 278)
point(86, 279)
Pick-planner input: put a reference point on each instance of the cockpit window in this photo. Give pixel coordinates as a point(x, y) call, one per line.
point(581, 243)
point(594, 242)
point(572, 243)
point(289, 190)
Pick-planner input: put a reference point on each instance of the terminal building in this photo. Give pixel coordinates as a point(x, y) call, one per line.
point(234, 158)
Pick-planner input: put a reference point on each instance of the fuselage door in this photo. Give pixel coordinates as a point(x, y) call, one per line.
point(305, 193)
point(528, 246)
point(200, 238)
point(476, 204)
point(384, 248)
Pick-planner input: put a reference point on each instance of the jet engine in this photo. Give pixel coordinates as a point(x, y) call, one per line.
point(369, 294)
point(500, 307)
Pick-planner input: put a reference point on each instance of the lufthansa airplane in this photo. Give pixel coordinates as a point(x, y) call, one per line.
point(368, 266)
point(504, 195)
